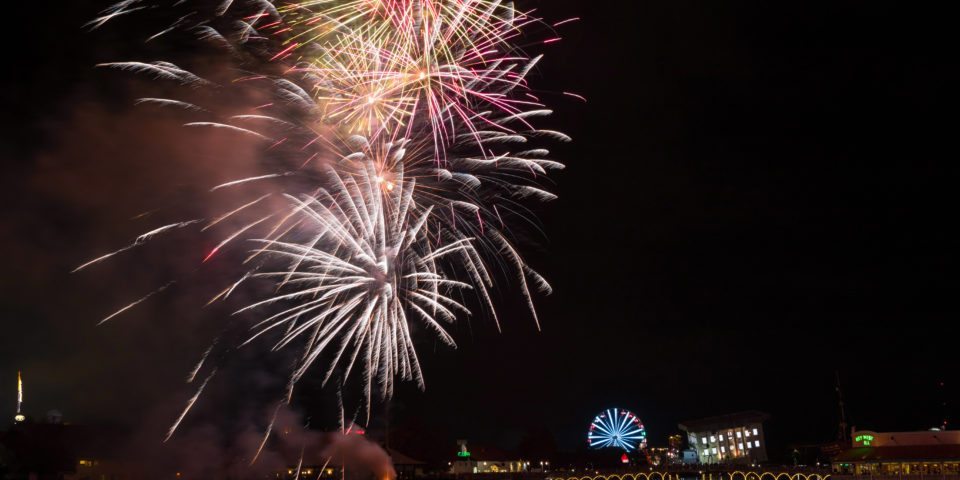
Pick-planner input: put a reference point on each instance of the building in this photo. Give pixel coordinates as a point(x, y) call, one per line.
point(675, 441)
point(674, 456)
point(689, 457)
point(405, 466)
point(658, 456)
point(928, 452)
point(731, 438)
point(485, 460)
point(663, 456)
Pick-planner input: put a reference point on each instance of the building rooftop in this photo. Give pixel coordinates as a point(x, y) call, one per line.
point(869, 438)
point(401, 459)
point(487, 453)
point(718, 422)
point(899, 453)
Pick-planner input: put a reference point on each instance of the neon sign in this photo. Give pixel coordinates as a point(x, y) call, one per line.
point(864, 440)
point(463, 454)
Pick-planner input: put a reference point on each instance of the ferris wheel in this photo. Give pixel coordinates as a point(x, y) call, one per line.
point(618, 429)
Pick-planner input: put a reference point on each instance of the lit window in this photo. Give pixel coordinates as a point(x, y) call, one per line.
point(748, 444)
point(713, 450)
point(713, 438)
point(740, 446)
point(755, 432)
point(723, 449)
point(738, 434)
point(721, 437)
point(756, 444)
point(746, 432)
point(704, 440)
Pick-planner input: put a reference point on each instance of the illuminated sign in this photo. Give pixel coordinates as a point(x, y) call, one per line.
point(864, 440)
point(463, 454)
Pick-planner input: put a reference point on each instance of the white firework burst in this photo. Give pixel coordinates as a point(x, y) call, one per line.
point(364, 267)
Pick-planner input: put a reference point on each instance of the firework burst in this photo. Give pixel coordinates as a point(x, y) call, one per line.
point(398, 135)
point(368, 263)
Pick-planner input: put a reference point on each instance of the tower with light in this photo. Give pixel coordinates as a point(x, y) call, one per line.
point(19, 418)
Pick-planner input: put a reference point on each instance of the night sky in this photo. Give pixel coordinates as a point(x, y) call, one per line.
point(759, 195)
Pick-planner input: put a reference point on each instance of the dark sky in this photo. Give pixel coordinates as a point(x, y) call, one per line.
point(759, 194)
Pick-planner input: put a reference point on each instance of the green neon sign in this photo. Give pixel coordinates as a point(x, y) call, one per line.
point(463, 454)
point(864, 440)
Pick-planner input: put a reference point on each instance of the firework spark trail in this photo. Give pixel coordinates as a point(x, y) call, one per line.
point(136, 243)
point(193, 374)
point(166, 102)
point(193, 400)
point(135, 303)
point(299, 463)
point(227, 127)
point(103, 257)
point(266, 435)
point(242, 181)
point(233, 212)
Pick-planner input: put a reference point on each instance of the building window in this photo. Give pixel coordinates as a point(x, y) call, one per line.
point(723, 449)
point(713, 438)
point(713, 450)
point(740, 446)
point(755, 432)
point(756, 443)
point(721, 437)
point(746, 432)
point(738, 433)
point(704, 440)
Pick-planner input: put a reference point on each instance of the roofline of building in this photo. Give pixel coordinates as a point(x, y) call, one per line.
point(723, 421)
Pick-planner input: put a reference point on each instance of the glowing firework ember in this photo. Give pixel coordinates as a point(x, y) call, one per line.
point(397, 133)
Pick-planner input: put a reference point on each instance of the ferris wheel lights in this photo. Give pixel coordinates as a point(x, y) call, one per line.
point(617, 428)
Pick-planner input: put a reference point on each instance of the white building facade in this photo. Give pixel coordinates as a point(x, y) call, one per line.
point(734, 438)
